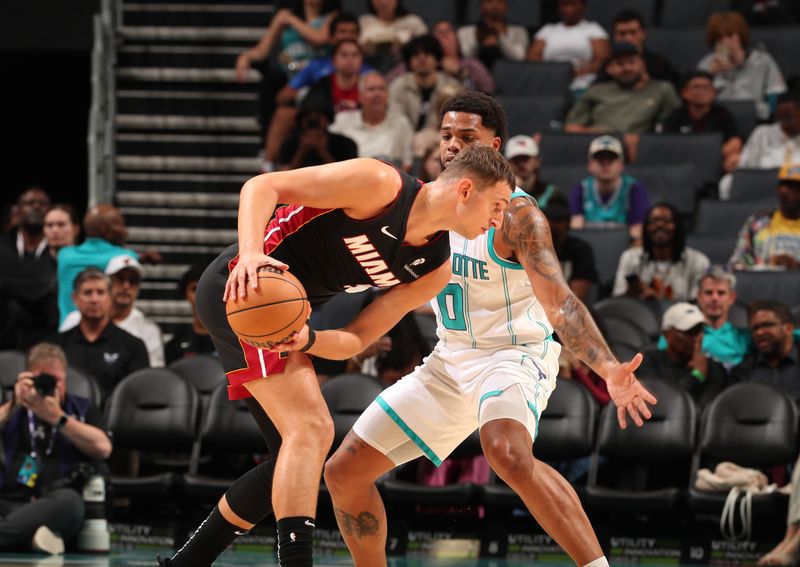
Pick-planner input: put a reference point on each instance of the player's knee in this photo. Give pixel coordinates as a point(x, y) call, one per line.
point(313, 432)
point(336, 474)
point(508, 460)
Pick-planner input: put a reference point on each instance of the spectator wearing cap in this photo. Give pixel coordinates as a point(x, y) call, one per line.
point(631, 103)
point(776, 360)
point(683, 362)
point(125, 274)
point(378, 131)
point(771, 239)
point(663, 267)
point(575, 255)
point(629, 27)
point(522, 153)
point(95, 345)
point(419, 92)
point(193, 340)
point(700, 114)
point(608, 198)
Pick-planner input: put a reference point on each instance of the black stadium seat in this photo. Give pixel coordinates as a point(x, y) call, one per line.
point(630, 309)
point(608, 244)
point(717, 248)
point(725, 218)
point(744, 113)
point(526, 13)
point(754, 184)
point(12, 362)
point(532, 79)
point(682, 47)
point(690, 13)
point(652, 464)
point(752, 425)
point(565, 149)
point(777, 286)
point(529, 116)
point(347, 396)
point(624, 331)
point(203, 371)
point(677, 184)
point(603, 11)
point(83, 385)
point(704, 151)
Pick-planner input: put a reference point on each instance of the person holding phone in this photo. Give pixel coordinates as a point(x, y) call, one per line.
point(46, 433)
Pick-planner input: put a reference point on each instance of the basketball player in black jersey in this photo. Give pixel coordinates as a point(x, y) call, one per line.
point(470, 120)
point(349, 225)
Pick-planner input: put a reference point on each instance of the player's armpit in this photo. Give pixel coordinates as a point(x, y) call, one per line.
point(526, 231)
point(380, 316)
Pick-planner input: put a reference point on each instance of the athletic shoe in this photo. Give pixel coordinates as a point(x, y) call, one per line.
point(45, 541)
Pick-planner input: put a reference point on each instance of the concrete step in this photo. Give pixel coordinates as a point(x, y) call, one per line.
point(241, 146)
point(180, 218)
point(164, 14)
point(177, 200)
point(182, 75)
point(165, 307)
point(152, 236)
point(199, 56)
point(189, 164)
point(199, 184)
point(238, 35)
point(174, 122)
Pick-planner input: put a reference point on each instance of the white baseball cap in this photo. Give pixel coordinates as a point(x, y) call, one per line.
point(521, 146)
point(121, 262)
point(605, 144)
point(682, 316)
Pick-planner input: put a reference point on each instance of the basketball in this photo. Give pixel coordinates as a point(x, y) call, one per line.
point(270, 314)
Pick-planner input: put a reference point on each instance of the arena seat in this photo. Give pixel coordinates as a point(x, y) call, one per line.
point(781, 42)
point(565, 177)
point(566, 432)
point(754, 184)
point(633, 310)
point(603, 11)
point(690, 13)
point(81, 384)
point(228, 428)
point(152, 411)
point(527, 13)
point(12, 362)
point(607, 244)
point(752, 425)
point(704, 151)
point(347, 396)
point(777, 286)
point(725, 218)
point(623, 331)
point(203, 371)
point(565, 149)
point(532, 79)
point(717, 248)
point(677, 184)
point(744, 114)
point(646, 468)
point(682, 47)
point(527, 116)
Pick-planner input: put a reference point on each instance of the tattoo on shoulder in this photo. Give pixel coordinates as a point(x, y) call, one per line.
point(365, 524)
point(526, 231)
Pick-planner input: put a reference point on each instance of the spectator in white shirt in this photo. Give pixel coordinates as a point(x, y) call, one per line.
point(574, 40)
point(493, 36)
point(378, 131)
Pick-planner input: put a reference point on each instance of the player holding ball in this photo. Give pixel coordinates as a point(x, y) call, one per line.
point(347, 226)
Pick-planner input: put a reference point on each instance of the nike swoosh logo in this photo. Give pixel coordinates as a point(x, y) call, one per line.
point(308, 523)
point(237, 532)
point(385, 230)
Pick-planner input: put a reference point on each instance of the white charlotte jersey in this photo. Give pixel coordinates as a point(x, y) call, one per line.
point(489, 301)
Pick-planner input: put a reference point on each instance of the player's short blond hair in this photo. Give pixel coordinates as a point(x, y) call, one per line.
point(483, 164)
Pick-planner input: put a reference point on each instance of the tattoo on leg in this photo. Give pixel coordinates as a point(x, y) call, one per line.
point(365, 524)
point(352, 443)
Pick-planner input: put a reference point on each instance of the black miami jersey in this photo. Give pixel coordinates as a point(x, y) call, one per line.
point(330, 252)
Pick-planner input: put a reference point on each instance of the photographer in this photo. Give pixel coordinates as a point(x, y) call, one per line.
point(48, 436)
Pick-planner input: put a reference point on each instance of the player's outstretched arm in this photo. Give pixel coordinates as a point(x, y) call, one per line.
point(362, 187)
point(525, 229)
point(374, 321)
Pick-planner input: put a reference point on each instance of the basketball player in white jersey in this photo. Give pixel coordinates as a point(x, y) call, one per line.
point(493, 368)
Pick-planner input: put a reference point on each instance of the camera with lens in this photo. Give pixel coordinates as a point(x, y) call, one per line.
point(45, 384)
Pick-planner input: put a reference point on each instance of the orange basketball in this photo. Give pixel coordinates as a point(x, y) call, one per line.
point(270, 314)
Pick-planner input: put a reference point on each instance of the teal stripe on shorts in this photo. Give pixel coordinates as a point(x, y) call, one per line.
point(408, 431)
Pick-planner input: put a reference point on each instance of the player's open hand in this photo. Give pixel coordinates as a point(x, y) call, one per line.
point(246, 270)
point(628, 393)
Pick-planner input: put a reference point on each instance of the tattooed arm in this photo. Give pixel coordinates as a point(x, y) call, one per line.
point(526, 232)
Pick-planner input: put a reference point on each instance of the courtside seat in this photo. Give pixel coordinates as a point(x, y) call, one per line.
point(228, 428)
point(777, 286)
point(647, 468)
point(203, 371)
point(607, 244)
point(151, 411)
point(753, 425)
point(630, 309)
point(83, 385)
point(566, 433)
point(532, 79)
point(618, 330)
point(12, 362)
point(527, 115)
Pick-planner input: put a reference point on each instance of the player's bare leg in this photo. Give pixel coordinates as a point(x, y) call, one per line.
point(350, 475)
point(787, 552)
point(547, 495)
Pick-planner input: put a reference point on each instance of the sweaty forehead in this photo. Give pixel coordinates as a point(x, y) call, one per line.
point(454, 120)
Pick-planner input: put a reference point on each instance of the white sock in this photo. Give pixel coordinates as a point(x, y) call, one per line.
point(599, 562)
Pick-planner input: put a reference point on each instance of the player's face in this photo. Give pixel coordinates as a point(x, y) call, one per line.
point(460, 130)
point(92, 300)
point(715, 298)
point(479, 211)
